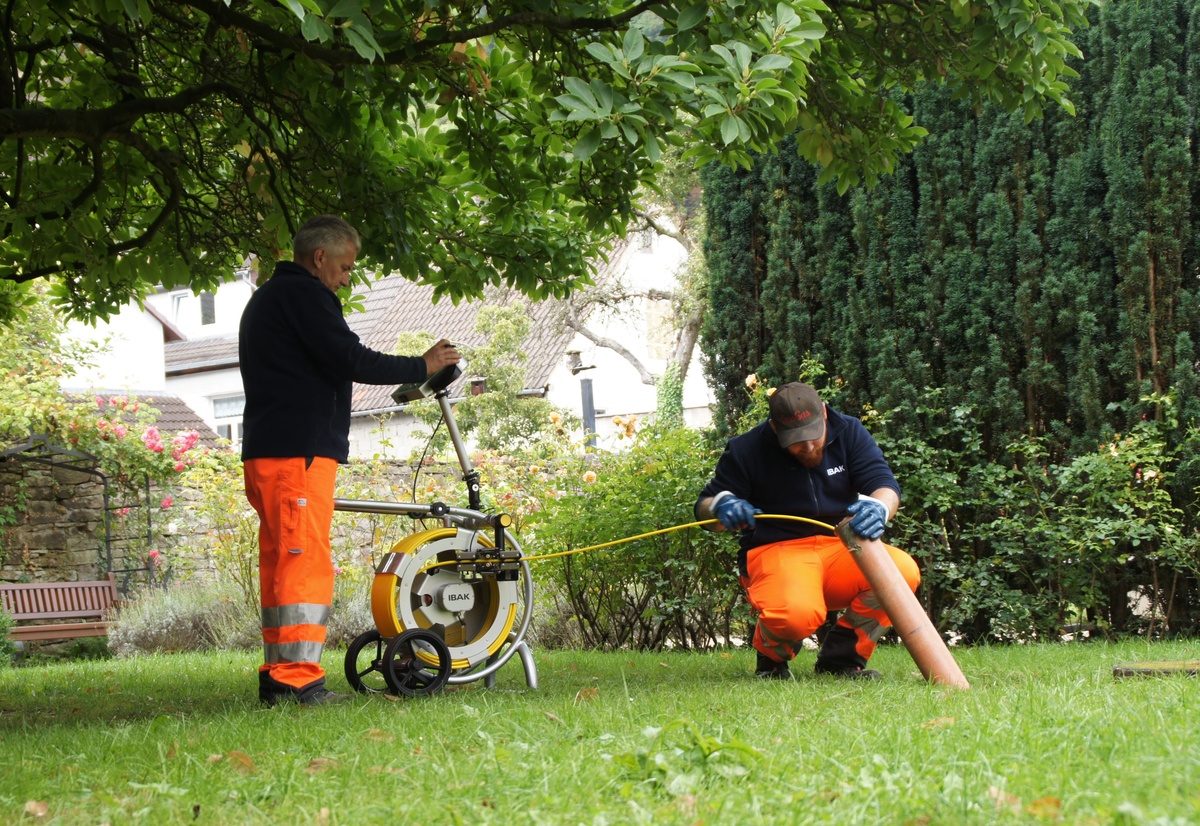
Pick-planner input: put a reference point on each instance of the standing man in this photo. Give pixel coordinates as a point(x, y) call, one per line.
point(806, 460)
point(298, 361)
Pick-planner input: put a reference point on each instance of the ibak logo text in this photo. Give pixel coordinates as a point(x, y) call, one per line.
point(835, 470)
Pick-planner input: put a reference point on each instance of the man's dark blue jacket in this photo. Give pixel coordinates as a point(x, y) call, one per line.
point(299, 360)
point(755, 468)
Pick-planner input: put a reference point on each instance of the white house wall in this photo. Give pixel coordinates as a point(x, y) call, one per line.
point(197, 390)
point(133, 361)
point(617, 388)
point(184, 311)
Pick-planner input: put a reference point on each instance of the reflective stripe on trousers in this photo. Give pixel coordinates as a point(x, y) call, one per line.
point(294, 502)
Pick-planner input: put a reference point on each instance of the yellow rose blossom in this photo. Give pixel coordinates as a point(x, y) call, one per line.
point(589, 477)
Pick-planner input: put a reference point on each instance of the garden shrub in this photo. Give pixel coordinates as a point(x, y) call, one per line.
point(195, 616)
point(678, 588)
point(8, 651)
point(1020, 547)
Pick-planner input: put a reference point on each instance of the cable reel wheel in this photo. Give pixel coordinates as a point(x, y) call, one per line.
point(364, 663)
point(406, 663)
point(472, 614)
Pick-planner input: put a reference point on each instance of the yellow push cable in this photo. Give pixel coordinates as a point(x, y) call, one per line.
point(539, 557)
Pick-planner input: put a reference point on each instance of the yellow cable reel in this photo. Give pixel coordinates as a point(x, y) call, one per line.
point(473, 613)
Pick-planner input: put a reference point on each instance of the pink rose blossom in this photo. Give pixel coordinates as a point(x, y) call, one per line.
point(120, 431)
point(167, 502)
point(152, 439)
point(99, 402)
point(155, 556)
point(179, 466)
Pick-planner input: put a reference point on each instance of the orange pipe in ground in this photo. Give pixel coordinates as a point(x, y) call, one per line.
point(922, 640)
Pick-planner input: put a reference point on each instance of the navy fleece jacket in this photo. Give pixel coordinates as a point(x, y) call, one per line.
point(755, 468)
point(299, 360)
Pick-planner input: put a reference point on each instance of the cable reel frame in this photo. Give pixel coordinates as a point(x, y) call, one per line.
point(461, 595)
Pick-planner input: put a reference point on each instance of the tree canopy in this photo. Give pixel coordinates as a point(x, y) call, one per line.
point(147, 142)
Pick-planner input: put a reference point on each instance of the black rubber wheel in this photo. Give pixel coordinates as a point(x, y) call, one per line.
point(364, 663)
point(407, 663)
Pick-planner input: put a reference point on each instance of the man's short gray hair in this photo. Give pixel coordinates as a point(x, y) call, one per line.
point(324, 231)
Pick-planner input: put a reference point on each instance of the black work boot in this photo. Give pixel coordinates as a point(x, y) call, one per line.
point(271, 692)
point(839, 656)
point(769, 669)
point(848, 672)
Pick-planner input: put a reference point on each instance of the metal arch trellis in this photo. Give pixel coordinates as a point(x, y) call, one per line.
point(38, 448)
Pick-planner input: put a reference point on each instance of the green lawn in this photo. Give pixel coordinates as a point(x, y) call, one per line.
point(1045, 735)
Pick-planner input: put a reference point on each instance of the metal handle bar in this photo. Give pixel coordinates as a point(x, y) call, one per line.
point(467, 518)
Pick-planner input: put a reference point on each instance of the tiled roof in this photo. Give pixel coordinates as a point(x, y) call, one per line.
point(395, 305)
point(174, 413)
point(200, 354)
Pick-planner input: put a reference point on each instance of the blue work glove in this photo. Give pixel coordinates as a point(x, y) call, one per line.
point(735, 514)
point(869, 517)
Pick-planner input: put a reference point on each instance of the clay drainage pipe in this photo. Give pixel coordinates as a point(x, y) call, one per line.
point(922, 640)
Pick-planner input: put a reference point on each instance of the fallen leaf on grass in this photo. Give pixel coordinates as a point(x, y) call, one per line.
point(172, 751)
point(37, 808)
point(1045, 807)
point(663, 665)
point(241, 762)
point(323, 815)
point(586, 695)
point(379, 735)
point(320, 764)
point(215, 758)
point(940, 722)
point(1004, 800)
point(552, 717)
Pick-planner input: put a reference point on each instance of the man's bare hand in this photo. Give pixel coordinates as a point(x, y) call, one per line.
point(440, 355)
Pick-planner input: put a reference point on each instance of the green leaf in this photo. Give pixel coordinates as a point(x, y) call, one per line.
point(634, 45)
point(363, 41)
point(581, 90)
point(587, 144)
point(772, 63)
point(690, 16)
point(346, 8)
point(729, 129)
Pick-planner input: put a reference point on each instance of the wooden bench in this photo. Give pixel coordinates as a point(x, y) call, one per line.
point(61, 610)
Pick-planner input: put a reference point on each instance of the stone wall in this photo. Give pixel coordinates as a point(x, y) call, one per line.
point(55, 533)
point(58, 535)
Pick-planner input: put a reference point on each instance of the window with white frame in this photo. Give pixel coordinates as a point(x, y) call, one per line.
point(179, 302)
point(227, 410)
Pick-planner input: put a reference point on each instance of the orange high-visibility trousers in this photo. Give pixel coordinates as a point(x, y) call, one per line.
point(295, 511)
point(792, 584)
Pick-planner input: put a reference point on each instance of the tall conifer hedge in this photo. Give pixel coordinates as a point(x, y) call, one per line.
point(1010, 285)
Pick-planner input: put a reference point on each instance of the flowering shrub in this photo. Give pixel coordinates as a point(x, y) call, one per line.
point(107, 429)
point(144, 471)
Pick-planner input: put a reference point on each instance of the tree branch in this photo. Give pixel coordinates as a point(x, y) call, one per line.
point(600, 341)
point(665, 229)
